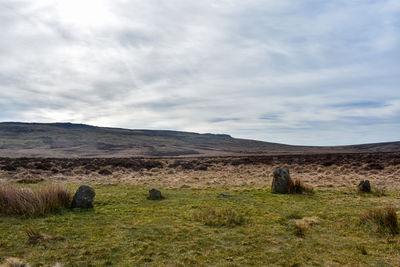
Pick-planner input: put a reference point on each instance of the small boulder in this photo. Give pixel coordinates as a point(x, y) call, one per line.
point(223, 195)
point(84, 198)
point(155, 195)
point(364, 186)
point(281, 181)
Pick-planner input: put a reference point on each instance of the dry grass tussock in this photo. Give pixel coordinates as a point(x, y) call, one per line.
point(36, 237)
point(219, 217)
point(336, 171)
point(15, 262)
point(384, 220)
point(297, 187)
point(17, 200)
point(301, 226)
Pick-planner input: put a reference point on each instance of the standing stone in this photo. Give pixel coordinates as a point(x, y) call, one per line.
point(281, 181)
point(155, 195)
point(364, 186)
point(84, 198)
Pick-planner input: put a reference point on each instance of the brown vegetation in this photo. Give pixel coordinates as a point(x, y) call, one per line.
point(384, 219)
point(301, 226)
point(16, 200)
point(320, 171)
point(14, 262)
point(29, 180)
point(297, 187)
point(36, 237)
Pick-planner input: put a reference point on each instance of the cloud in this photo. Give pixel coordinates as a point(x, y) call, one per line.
point(298, 72)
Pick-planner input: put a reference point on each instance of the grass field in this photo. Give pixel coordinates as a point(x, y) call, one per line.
point(126, 229)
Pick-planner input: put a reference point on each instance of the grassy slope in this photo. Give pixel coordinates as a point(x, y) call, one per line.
point(22, 139)
point(126, 229)
point(76, 140)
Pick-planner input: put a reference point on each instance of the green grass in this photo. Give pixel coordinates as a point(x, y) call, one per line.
point(219, 217)
point(126, 229)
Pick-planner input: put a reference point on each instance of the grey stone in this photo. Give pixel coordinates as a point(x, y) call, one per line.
point(223, 195)
point(281, 181)
point(84, 197)
point(155, 195)
point(364, 186)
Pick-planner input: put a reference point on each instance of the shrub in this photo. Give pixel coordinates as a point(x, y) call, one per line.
point(16, 200)
point(384, 219)
point(297, 187)
point(222, 217)
point(105, 172)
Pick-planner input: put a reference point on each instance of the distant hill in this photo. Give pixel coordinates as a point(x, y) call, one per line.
point(79, 140)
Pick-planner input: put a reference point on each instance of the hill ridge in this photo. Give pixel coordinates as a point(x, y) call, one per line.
point(60, 139)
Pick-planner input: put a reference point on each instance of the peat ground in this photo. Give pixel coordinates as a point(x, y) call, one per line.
point(320, 171)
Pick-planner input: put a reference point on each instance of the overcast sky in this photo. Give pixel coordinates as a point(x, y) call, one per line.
point(299, 72)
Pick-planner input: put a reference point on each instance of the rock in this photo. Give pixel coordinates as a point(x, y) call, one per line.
point(364, 186)
point(223, 195)
point(155, 195)
point(281, 181)
point(84, 198)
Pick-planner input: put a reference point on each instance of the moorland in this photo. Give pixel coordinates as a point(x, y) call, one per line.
point(192, 226)
point(217, 210)
point(67, 140)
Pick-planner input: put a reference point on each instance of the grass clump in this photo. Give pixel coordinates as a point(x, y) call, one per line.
point(379, 192)
point(384, 219)
point(219, 217)
point(14, 262)
point(36, 237)
point(297, 187)
point(301, 226)
point(29, 202)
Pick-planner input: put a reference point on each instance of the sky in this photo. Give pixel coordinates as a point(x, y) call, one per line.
point(307, 72)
